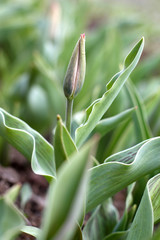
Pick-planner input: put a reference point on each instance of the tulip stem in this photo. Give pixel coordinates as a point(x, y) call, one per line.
point(69, 114)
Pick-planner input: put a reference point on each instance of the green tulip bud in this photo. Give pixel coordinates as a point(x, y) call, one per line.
point(75, 74)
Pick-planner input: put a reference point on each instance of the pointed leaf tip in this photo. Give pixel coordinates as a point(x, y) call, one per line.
point(135, 53)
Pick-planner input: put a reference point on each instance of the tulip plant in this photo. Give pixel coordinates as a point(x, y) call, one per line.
point(79, 184)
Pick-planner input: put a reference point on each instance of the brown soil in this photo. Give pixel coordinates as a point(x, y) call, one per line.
point(19, 171)
point(119, 201)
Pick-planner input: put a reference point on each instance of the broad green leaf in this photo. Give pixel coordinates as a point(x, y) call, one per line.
point(101, 222)
point(99, 108)
point(33, 231)
point(148, 212)
point(66, 197)
point(29, 142)
point(141, 125)
point(110, 177)
point(11, 220)
point(127, 156)
point(63, 143)
point(105, 125)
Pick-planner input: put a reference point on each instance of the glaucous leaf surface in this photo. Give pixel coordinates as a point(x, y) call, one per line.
point(66, 197)
point(33, 231)
point(110, 177)
point(29, 142)
point(106, 125)
point(148, 212)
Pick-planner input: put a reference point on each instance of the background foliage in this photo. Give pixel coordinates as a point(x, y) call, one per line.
point(36, 42)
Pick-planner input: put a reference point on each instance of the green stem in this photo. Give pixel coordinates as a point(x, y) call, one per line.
point(69, 114)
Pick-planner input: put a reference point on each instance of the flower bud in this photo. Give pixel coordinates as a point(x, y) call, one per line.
point(75, 74)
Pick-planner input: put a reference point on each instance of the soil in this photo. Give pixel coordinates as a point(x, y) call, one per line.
point(19, 172)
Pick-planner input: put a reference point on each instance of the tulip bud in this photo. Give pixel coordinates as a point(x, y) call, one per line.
point(75, 74)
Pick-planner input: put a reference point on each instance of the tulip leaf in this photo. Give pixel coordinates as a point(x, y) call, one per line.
point(33, 231)
point(148, 212)
point(106, 125)
point(29, 142)
point(141, 125)
point(66, 197)
point(63, 143)
point(101, 222)
point(100, 107)
point(110, 177)
point(127, 156)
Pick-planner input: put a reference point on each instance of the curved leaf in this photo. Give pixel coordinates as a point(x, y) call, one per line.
point(105, 125)
point(141, 125)
point(66, 197)
point(127, 156)
point(100, 107)
point(109, 178)
point(63, 143)
point(148, 212)
point(29, 142)
point(33, 231)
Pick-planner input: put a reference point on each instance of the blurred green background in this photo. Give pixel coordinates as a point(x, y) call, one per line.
point(36, 42)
